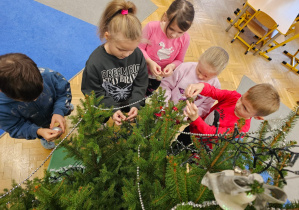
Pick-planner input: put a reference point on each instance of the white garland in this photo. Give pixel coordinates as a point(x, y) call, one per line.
point(195, 205)
point(207, 203)
point(15, 187)
point(138, 185)
point(142, 205)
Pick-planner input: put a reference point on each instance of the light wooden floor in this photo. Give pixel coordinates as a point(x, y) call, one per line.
point(18, 158)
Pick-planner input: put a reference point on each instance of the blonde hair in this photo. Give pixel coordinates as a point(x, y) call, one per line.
point(216, 57)
point(264, 98)
point(114, 22)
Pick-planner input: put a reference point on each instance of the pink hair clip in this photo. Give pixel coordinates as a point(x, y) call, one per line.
point(124, 11)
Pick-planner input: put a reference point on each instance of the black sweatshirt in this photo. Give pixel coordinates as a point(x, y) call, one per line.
point(120, 81)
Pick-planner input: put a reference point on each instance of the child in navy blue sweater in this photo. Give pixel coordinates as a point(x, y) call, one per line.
point(32, 100)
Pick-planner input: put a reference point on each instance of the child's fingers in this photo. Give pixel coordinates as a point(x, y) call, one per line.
point(132, 115)
point(191, 91)
point(122, 116)
point(187, 110)
point(158, 70)
point(196, 92)
point(186, 114)
point(52, 135)
point(188, 92)
point(117, 120)
point(166, 70)
point(194, 106)
point(132, 111)
point(52, 123)
point(191, 108)
point(189, 105)
point(119, 115)
point(62, 125)
point(167, 73)
point(131, 118)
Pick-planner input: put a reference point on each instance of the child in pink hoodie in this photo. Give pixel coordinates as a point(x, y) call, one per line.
point(210, 65)
point(165, 42)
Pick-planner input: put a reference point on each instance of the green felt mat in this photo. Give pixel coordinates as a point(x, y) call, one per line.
point(59, 162)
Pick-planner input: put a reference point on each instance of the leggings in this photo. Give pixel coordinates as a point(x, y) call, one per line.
point(153, 85)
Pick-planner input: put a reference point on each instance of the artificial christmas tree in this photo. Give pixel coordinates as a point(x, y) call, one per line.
point(140, 165)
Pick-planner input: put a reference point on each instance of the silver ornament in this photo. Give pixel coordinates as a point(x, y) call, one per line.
point(58, 129)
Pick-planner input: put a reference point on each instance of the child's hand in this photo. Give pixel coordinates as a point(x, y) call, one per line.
point(132, 113)
point(191, 111)
point(168, 70)
point(154, 68)
point(57, 118)
point(48, 134)
point(194, 89)
point(118, 116)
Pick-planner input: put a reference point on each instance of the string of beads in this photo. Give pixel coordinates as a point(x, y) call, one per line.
point(138, 185)
point(139, 192)
point(15, 187)
point(18, 185)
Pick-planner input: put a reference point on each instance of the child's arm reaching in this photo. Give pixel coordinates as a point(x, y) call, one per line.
point(205, 89)
point(200, 126)
point(207, 102)
point(63, 94)
point(194, 90)
point(169, 83)
point(132, 113)
point(198, 123)
point(191, 111)
point(205, 106)
point(18, 127)
point(118, 116)
point(48, 134)
point(168, 70)
point(56, 118)
point(63, 99)
point(154, 68)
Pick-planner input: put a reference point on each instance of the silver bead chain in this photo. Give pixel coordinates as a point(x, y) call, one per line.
point(208, 203)
point(142, 205)
point(194, 205)
point(121, 107)
point(212, 135)
point(11, 190)
point(138, 185)
point(188, 133)
point(15, 187)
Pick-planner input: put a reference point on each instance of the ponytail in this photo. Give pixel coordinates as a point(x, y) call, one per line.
point(120, 17)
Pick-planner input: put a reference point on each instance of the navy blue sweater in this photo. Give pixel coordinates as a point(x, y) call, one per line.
point(23, 119)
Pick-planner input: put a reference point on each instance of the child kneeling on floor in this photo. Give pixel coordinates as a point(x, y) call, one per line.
point(258, 102)
point(32, 100)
